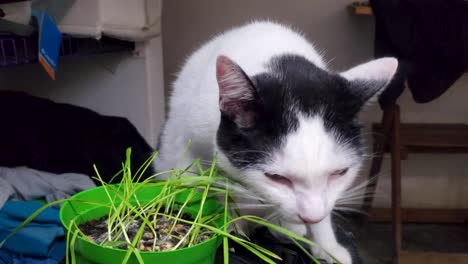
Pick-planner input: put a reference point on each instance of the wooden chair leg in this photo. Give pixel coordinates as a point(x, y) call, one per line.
point(380, 138)
point(396, 185)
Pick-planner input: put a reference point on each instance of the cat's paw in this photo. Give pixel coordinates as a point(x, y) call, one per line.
point(338, 252)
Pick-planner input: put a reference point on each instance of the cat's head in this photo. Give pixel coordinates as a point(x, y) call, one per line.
point(291, 134)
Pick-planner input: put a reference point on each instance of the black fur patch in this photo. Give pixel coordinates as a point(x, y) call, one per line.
point(294, 86)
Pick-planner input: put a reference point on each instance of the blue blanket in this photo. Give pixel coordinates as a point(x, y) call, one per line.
point(43, 238)
point(7, 257)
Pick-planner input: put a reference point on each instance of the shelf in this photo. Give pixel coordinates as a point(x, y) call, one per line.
point(431, 138)
point(17, 50)
point(361, 9)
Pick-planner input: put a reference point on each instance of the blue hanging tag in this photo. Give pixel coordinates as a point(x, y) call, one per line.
point(50, 39)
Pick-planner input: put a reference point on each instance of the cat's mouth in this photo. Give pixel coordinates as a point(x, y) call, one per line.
point(309, 220)
point(298, 219)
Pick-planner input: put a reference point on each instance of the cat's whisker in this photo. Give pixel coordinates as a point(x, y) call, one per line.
point(247, 196)
point(249, 151)
point(358, 196)
point(355, 197)
point(362, 136)
point(251, 206)
point(330, 60)
point(371, 154)
point(361, 188)
point(337, 213)
point(341, 216)
point(240, 160)
point(238, 190)
point(350, 200)
point(358, 189)
point(350, 203)
point(358, 192)
point(355, 202)
point(349, 209)
point(362, 191)
point(272, 216)
point(364, 183)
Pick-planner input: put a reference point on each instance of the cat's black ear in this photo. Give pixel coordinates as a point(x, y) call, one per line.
point(237, 96)
point(370, 79)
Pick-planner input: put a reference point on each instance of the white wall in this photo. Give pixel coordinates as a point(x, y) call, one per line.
point(346, 40)
point(126, 85)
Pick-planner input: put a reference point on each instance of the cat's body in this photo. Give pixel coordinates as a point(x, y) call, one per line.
point(261, 98)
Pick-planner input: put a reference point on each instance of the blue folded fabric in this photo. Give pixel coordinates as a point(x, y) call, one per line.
point(42, 238)
point(7, 257)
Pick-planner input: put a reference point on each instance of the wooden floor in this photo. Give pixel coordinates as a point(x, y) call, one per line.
point(437, 216)
point(432, 258)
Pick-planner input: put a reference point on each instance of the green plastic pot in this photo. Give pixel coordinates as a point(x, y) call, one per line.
point(80, 209)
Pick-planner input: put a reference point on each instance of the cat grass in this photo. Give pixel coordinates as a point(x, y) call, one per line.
point(162, 223)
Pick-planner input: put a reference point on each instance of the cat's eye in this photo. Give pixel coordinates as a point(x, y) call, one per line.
point(339, 173)
point(279, 179)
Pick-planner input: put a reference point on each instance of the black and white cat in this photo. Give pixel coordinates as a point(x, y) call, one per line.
point(261, 97)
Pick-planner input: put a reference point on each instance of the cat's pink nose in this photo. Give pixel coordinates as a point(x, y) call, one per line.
point(309, 220)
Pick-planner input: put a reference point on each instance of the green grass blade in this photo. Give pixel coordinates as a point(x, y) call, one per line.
point(225, 226)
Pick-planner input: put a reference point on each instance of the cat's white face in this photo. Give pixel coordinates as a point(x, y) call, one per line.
point(305, 176)
point(290, 134)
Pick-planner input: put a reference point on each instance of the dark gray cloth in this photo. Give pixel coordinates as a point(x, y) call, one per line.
point(430, 39)
point(23, 183)
point(60, 138)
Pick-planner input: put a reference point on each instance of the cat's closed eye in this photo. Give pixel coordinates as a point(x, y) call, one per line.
point(339, 173)
point(279, 179)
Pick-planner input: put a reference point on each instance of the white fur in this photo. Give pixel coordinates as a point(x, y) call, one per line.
point(194, 100)
point(380, 69)
point(308, 156)
point(309, 160)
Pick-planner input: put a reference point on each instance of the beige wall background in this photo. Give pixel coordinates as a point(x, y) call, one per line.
point(429, 180)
